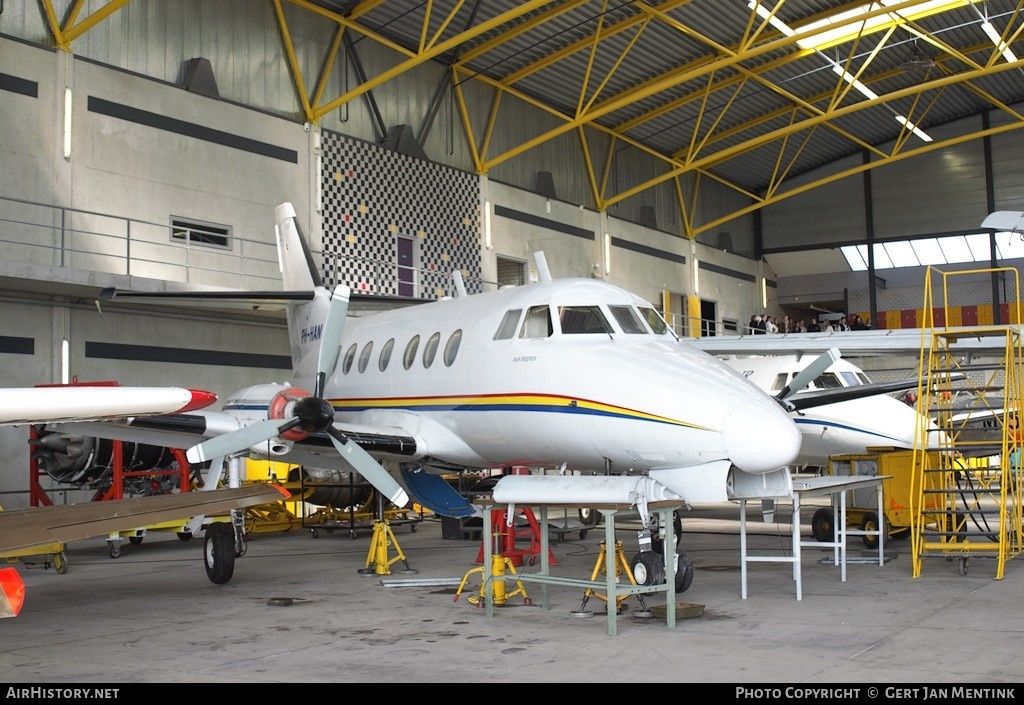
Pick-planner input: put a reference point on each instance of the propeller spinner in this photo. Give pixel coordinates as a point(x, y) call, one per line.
point(311, 414)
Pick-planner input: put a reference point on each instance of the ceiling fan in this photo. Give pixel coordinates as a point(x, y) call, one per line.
point(918, 61)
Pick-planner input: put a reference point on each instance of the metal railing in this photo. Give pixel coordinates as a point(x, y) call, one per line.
point(55, 236)
point(40, 234)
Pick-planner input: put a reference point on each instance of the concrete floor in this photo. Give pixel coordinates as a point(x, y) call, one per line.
point(297, 610)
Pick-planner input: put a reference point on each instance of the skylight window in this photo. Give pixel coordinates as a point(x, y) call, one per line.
point(955, 249)
point(928, 251)
point(856, 257)
point(901, 254)
point(882, 259)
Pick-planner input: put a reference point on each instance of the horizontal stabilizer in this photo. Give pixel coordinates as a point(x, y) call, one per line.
point(1011, 221)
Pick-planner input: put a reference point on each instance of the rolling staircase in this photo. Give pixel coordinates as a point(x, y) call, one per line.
point(966, 478)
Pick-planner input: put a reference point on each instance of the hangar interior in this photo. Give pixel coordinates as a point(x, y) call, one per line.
point(712, 158)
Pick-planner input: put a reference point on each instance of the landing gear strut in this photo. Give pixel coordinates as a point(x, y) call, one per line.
point(648, 566)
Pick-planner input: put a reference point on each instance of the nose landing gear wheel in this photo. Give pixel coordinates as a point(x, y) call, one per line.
point(648, 568)
point(219, 552)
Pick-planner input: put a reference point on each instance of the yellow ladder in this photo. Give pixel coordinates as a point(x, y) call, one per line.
point(965, 488)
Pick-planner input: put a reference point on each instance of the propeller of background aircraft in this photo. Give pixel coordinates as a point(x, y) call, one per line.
point(791, 401)
point(311, 414)
point(806, 376)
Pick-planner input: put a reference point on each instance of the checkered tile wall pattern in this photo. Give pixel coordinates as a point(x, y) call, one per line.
point(395, 225)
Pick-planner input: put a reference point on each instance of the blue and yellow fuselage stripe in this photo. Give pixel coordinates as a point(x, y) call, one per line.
point(544, 403)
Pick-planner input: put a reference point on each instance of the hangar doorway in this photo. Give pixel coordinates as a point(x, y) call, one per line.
point(708, 318)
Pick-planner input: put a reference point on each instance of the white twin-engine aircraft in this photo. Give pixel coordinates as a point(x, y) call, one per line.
point(840, 427)
point(571, 375)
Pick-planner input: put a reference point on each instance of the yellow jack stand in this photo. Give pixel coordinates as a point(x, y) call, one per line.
point(621, 566)
point(499, 564)
point(377, 561)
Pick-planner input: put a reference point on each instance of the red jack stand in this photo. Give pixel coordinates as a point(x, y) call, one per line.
point(508, 540)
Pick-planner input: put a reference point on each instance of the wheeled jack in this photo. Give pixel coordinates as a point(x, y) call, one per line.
point(499, 565)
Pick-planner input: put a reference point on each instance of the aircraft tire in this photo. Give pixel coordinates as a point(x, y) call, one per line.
point(219, 552)
point(589, 516)
point(684, 572)
point(870, 523)
point(648, 568)
point(822, 525)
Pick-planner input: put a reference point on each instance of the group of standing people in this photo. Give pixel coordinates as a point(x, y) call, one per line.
point(765, 324)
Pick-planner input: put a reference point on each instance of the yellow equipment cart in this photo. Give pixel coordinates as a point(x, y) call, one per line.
point(862, 505)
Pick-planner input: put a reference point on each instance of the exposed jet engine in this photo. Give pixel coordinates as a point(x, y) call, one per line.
point(88, 463)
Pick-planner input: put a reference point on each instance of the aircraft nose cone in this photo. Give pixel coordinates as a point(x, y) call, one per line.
point(760, 437)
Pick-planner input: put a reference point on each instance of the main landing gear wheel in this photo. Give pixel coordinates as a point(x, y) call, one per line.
point(823, 525)
point(588, 517)
point(219, 552)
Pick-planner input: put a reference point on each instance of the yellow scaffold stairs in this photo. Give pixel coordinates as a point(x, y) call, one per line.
point(966, 484)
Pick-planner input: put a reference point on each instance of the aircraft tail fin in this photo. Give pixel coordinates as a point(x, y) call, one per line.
point(543, 273)
point(297, 268)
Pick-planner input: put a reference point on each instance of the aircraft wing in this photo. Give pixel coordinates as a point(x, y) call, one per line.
point(40, 526)
point(90, 402)
point(186, 430)
point(851, 343)
point(820, 397)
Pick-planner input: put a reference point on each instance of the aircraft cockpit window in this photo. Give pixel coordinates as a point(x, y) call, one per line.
point(451, 348)
point(410, 352)
point(537, 323)
point(627, 319)
point(507, 329)
point(780, 381)
point(851, 379)
point(654, 320)
point(582, 319)
point(430, 349)
point(385, 354)
point(364, 358)
point(350, 355)
point(828, 380)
